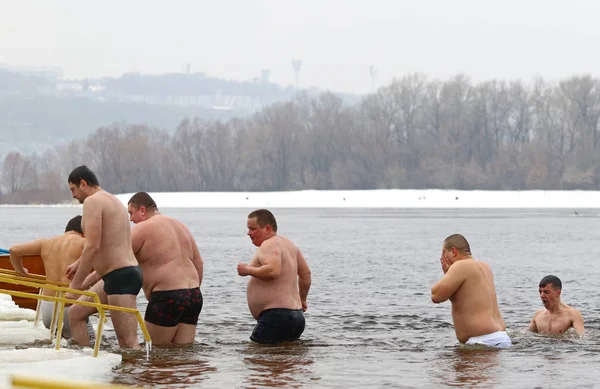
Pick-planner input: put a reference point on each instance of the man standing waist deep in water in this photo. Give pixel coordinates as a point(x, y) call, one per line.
point(469, 284)
point(279, 283)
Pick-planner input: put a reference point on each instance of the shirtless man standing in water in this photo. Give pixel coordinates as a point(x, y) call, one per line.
point(172, 268)
point(108, 251)
point(279, 283)
point(57, 253)
point(556, 317)
point(469, 284)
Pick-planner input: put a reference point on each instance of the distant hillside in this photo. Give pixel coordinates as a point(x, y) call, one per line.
point(38, 109)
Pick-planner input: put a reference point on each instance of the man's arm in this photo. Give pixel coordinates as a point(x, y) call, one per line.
point(197, 259)
point(92, 217)
point(578, 322)
point(270, 263)
point(533, 326)
point(304, 279)
point(448, 284)
point(137, 239)
point(90, 280)
point(17, 251)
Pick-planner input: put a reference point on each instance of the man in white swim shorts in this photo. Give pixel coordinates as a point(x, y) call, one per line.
point(469, 285)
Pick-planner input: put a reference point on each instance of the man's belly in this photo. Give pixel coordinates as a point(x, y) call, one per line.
point(261, 297)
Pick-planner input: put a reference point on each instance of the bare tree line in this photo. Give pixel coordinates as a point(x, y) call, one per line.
point(413, 133)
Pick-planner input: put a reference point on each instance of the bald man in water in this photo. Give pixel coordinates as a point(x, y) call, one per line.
point(469, 284)
point(57, 254)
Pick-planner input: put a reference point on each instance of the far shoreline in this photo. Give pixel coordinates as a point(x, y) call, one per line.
point(368, 199)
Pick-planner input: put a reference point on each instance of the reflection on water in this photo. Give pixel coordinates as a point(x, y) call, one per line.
point(468, 366)
point(168, 367)
point(284, 366)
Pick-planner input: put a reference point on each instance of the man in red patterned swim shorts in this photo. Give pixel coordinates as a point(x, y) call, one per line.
point(172, 270)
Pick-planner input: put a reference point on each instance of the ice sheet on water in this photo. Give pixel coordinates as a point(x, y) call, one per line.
point(64, 364)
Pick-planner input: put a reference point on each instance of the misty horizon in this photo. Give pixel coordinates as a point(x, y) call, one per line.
point(337, 41)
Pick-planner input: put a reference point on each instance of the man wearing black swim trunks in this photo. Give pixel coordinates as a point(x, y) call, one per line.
point(108, 251)
point(172, 269)
point(279, 282)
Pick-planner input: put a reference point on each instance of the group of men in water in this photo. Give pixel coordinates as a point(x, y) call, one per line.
point(469, 285)
point(100, 252)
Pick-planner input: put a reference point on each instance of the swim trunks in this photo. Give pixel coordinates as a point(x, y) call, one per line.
point(167, 308)
point(47, 310)
point(278, 325)
point(126, 280)
point(498, 339)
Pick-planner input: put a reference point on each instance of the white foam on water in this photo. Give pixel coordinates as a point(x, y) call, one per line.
point(386, 198)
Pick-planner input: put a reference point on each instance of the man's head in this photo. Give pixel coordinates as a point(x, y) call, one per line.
point(550, 288)
point(261, 226)
point(455, 247)
point(141, 207)
point(82, 182)
point(74, 225)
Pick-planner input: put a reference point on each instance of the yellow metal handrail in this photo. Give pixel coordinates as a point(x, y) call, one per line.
point(61, 300)
point(19, 381)
point(34, 277)
point(39, 281)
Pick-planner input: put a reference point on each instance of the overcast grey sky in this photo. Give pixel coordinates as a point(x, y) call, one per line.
point(336, 39)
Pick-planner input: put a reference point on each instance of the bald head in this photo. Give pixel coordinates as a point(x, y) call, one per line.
point(459, 242)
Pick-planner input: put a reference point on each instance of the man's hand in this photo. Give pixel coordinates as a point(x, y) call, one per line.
point(445, 262)
point(304, 306)
point(242, 269)
point(23, 273)
point(72, 269)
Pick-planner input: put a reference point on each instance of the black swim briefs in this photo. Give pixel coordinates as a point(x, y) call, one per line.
point(278, 325)
point(126, 280)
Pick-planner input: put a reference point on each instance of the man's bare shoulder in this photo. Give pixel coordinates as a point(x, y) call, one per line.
point(539, 312)
point(93, 200)
point(572, 311)
point(464, 265)
point(288, 242)
point(271, 244)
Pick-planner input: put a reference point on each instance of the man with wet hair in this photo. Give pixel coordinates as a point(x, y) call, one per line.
point(556, 317)
point(469, 284)
point(117, 278)
point(172, 268)
point(279, 282)
point(57, 254)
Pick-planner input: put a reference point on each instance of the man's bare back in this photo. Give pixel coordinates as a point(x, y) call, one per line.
point(469, 284)
point(165, 250)
point(106, 215)
point(474, 305)
point(57, 254)
point(172, 268)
